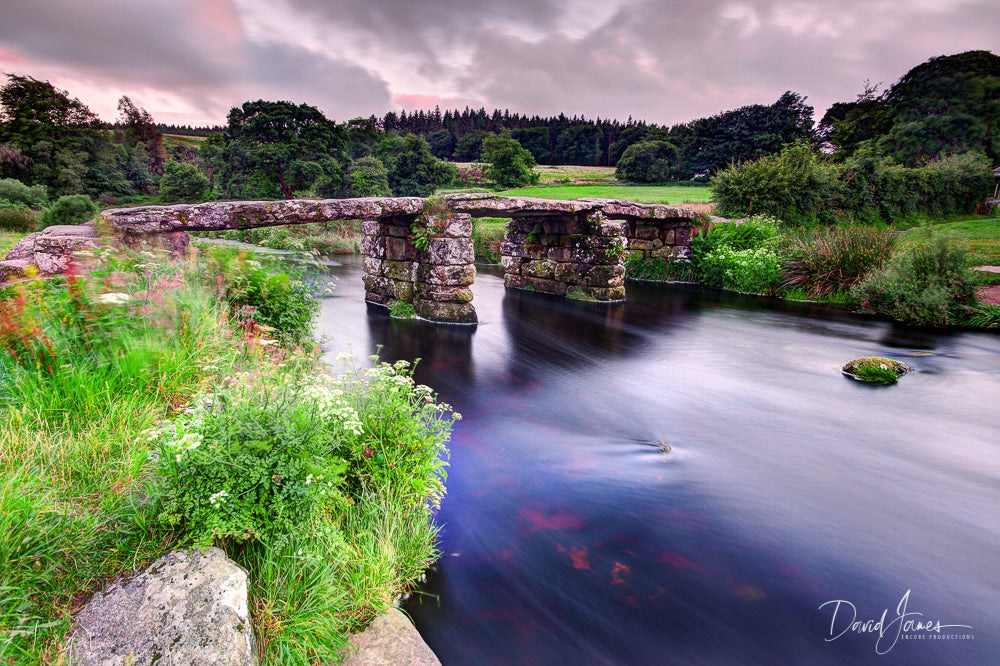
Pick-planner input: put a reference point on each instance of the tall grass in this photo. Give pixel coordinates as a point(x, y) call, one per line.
point(825, 261)
point(92, 364)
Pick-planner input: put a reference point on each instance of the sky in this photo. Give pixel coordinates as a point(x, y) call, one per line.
point(663, 61)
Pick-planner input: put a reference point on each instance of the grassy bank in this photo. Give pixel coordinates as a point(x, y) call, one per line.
point(130, 394)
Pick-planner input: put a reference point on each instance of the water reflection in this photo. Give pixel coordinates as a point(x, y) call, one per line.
point(569, 536)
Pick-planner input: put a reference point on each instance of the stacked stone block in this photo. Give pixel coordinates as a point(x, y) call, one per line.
point(435, 279)
point(667, 239)
point(577, 256)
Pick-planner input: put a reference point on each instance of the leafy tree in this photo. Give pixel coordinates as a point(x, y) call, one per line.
point(442, 144)
point(536, 141)
point(277, 147)
point(747, 133)
point(140, 129)
point(470, 146)
point(183, 182)
point(629, 137)
point(413, 169)
point(649, 162)
point(510, 164)
point(580, 144)
point(15, 192)
point(367, 177)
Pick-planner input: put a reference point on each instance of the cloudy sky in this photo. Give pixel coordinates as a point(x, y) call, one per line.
point(666, 61)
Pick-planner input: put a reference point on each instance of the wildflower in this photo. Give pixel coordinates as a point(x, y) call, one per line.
point(345, 358)
point(218, 498)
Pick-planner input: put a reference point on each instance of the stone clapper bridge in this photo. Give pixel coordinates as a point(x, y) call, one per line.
point(420, 250)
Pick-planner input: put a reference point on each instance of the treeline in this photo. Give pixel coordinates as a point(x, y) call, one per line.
point(703, 146)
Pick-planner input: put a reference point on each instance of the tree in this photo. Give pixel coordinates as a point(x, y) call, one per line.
point(140, 128)
point(470, 146)
point(70, 209)
point(413, 170)
point(580, 144)
point(510, 164)
point(183, 182)
point(278, 147)
point(648, 162)
point(536, 141)
point(367, 177)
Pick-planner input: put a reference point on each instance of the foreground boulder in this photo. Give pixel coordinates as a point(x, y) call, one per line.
point(391, 640)
point(188, 608)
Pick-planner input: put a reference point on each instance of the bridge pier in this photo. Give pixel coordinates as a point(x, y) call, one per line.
point(435, 278)
point(577, 255)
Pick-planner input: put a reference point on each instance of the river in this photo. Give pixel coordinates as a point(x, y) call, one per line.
point(792, 500)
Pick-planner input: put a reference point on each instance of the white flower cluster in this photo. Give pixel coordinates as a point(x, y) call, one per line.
point(114, 298)
point(323, 488)
point(187, 443)
point(327, 394)
point(218, 499)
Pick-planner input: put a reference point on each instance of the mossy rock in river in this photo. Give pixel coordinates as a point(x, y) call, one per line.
point(876, 370)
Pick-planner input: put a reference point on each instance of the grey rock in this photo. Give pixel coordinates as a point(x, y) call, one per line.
point(189, 608)
point(24, 248)
point(391, 640)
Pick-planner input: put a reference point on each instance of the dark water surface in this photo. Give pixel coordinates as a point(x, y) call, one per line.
point(569, 537)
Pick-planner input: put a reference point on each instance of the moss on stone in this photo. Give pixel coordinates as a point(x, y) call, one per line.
point(876, 369)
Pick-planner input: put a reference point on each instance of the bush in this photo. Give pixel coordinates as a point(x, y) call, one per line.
point(13, 218)
point(657, 269)
point(510, 164)
point(829, 260)
point(926, 285)
point(368, 177)
point(183, 182)
point(17, 193)
point(648, 162)
point(738, 256)
point(792, 186)
point(70, 209)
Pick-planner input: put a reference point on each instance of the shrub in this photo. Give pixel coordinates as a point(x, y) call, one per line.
point(792, 186)
point(70, 209)
point(183, 182)
point(15, 218)
point(738, 256)
point(510, 164)
point(648, 162)
point(17, 193)
point(368, 177)
point(828, 260)
point(926, 285)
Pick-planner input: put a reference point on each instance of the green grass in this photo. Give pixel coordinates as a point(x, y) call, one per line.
point(7, 240)
point(82, 382)
point(668, 194)
point(977, 234)
point(186, 141)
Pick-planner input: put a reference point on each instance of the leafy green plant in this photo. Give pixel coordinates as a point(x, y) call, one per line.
point(876, 375)
point(827, 260)
point(70, 209)
point(183, 182)
point(402, 310)
point(430, 223)
point(658, 269)
point(487, 234)
point(738, 255)
point(927, 284)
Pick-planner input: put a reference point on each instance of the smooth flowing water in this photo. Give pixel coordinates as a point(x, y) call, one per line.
point(570, 536)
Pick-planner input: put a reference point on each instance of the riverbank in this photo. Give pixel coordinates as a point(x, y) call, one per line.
point(131, 392)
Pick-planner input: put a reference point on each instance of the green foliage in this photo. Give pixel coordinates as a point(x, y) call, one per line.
point(823, 261)
point(876, 375)
point(13, 218)
point(580, 144)
point(257, 466)
point(70, 209)
point(510, 164)
point(648, 162)
point(739, 256)
point(264, 295)
point(413, 169)
point(487, 234)
point(791, 186)
point(402, 310)
point(367, 177)
point(183, 182)
point(923, 285)
point(658, 269)
point(16, 193)
point(470, 146)
point(798, 188)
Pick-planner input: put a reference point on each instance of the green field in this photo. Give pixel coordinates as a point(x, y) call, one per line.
point(7, 240)
point(979, 235)
point(179, 140)
point(669, 194)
